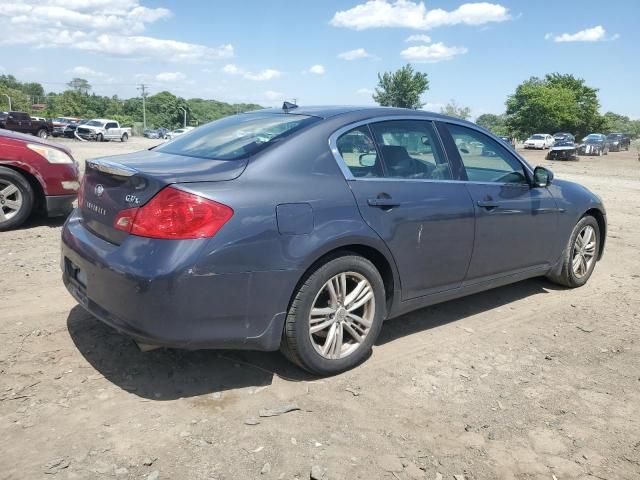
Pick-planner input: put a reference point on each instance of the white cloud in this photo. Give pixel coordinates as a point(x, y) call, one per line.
point(111, 27)
point(262, 75)
point(273, 96)
point(364, 91)
point(355, 54)
point(169, 77)
point(317, 69)
point(408, 14)
point(594, 34)
point(419, 38)
point(149, 47)
point(434, 53)
point(85, 72)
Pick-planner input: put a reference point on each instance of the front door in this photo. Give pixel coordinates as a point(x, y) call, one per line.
point(515, 222)
point(401, 180)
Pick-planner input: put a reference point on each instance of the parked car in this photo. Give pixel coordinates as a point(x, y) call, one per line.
point(151, 133)
point(306, 243)
point(539, 140)
point(22, 122)
point(35, 175)
point(509, 141)
point(59, 124)
point(177, 132)
point(563, 137)
point(564, 148)
point(594, 144)
point(70, 129)
point(618, 142)
point(101, 129)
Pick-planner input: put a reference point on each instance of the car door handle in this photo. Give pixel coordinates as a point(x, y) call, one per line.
point(383, 202)
point(488, 204)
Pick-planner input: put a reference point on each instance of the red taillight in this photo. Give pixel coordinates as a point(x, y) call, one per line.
point(174, 214)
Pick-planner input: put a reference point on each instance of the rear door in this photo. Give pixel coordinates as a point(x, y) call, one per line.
point(514, 220)
point(402, 182)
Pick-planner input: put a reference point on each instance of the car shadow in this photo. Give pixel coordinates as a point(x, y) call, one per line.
point(168, 374)
point(458, 309)
point(38, 220)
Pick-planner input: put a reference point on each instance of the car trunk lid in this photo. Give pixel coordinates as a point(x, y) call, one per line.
point(113, 184)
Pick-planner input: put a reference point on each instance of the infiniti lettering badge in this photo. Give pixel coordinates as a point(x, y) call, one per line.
point(95, 208)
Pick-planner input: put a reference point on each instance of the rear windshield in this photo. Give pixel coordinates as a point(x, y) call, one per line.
point(236, 137)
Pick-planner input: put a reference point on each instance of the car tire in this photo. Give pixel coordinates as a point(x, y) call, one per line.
point(42, 133)
point(99, 138)
point(124, 137)
point(304, 347)
point(575, 251)
point(21, 196)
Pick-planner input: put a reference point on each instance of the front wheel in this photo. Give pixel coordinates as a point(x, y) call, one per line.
point(16, 199)
point(99, 138)
point(335, 316)
point(580, 255)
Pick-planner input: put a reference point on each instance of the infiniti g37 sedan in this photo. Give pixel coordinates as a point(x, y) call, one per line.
point(304, 229)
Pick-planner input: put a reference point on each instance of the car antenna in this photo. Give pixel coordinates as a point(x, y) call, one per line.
point(286, 106)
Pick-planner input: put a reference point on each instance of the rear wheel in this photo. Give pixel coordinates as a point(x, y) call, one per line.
point(16, 199)
point(335, 316)
point(42, 133)
point(580, 255)
point(124, 137)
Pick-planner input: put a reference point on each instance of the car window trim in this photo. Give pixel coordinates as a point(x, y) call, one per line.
point(526, 168)
point(342, 164)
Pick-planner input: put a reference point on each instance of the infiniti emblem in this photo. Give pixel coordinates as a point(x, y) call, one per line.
point(99, 190)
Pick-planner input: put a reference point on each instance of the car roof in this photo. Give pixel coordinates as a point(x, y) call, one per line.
point(355, 110)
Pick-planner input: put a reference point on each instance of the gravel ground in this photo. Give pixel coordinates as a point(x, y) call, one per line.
point(522, 382)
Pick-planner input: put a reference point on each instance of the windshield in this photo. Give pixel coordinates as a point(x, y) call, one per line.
point(594, 137)
point(94, 123)
point(537, 137)
point(237, 136)
point(614, 136)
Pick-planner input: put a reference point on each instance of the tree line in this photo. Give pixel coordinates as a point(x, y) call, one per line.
point(555, 103)
point(162, 109)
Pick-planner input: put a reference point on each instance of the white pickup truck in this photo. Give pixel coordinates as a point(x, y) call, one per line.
point(100, 129)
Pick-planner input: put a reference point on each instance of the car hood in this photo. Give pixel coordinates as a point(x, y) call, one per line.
point(33, 139)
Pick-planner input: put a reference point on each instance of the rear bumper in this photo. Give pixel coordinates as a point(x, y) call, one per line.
point(59, 205)
point(152, 291)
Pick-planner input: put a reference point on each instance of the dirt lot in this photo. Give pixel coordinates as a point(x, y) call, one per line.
point(522, 382)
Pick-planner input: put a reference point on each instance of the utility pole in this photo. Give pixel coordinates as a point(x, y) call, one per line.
point(143, 91)
point(8, 98)
point(185, 115)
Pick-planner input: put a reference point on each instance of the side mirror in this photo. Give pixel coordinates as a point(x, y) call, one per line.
point(367, 159)
point(542, 177)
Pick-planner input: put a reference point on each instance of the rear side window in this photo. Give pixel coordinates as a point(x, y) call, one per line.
point(484, 159)
point(111, 125)
point(411, 150)
point(358, 151)
point(238, 136)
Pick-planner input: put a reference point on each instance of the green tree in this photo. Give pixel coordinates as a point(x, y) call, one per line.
point(555, 103)
point(80, 85)
point(494, 123)
point(621, 123)
point(454, 110)
point(402, 88)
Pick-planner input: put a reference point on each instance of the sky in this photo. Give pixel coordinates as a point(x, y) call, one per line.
point(324, 52)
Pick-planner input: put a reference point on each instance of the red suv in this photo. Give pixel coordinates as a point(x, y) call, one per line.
point(35, 175)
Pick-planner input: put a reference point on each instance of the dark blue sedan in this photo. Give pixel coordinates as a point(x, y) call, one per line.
point(303, 229)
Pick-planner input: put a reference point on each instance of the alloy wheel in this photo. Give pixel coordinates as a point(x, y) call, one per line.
point(10, 200)
point(341, 315)
point(584, 251)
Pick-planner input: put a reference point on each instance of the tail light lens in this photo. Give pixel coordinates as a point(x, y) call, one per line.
point(81, 192)
point(174, 214)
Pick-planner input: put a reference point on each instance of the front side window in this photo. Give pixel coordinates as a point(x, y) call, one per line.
point(237, 136)
point(484, 159)
point(410, 149)
point(358, 151)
